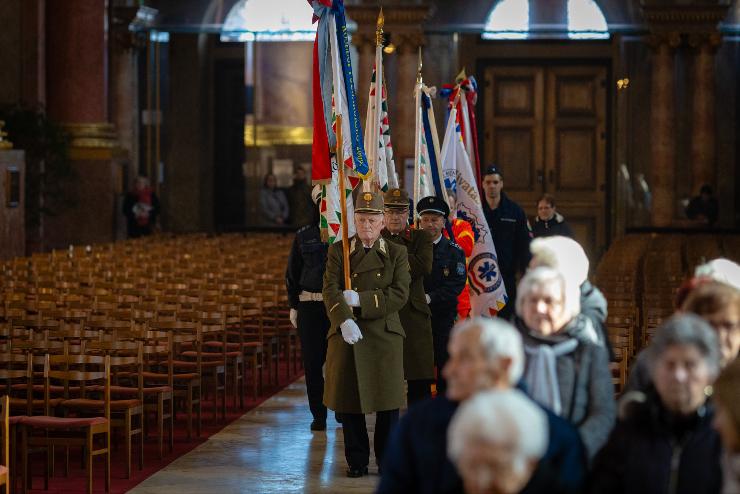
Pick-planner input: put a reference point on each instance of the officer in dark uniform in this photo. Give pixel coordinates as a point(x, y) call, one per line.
point(304, 279)
point(510, 231)
point(418, 349)
point(446, 280)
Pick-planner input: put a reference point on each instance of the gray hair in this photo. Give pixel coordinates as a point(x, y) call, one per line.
point(562, 254)
point(544, 277)
point(498, 339)
point(506, 417)
point(686, 329)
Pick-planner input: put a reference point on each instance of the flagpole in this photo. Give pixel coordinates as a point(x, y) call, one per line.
point(343, 205)
point(435, 142)
point(417, 144)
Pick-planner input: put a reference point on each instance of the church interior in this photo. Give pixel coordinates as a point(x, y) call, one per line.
point(157, 158)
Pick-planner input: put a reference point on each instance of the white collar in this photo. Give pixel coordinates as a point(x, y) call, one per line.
point(438, 239)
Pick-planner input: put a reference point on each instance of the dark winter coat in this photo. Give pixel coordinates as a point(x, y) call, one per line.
point(416, 458)
point(549, 228)
point(651, 451)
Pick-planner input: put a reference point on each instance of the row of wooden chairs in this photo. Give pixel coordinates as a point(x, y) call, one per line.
point(204, 312)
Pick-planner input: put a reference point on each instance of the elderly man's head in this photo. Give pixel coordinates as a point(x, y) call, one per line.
point(495, 440)
point(561, 254)
point(546, 301)
point(684, 361)
point(484, 354)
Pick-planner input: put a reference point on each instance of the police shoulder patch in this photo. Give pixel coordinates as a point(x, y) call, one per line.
point(460, 268)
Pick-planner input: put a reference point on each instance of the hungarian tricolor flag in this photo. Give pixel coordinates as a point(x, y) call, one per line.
point(378, 130)
point(467, 87)
point(334, 95)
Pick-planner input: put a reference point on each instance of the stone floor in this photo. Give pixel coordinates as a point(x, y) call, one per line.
point(269, 449)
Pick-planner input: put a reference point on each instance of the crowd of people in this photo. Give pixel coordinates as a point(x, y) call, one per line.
point(524, 402)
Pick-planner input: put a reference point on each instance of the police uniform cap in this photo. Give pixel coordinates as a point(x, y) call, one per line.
point(433, 204)
point(396, 199)
point(369, 202)
point(493, 170)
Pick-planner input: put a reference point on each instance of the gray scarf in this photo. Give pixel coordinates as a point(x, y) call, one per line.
point(541, 375)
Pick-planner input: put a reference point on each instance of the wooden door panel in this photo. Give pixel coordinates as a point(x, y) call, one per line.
point(575, 96)
point(576, 160)
point(514, 151)
point(514, 128)
point(545, 126)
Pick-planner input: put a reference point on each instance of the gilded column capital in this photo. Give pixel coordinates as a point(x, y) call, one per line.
point(92, 141)
point(699, 41)
point(4, 143)
point(672, 39)
point(363, 41)
point(409, 43)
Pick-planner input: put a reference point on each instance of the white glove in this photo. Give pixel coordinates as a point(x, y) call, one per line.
point(429, 299)
point(294, 318)
point(350, 331)
point(352, 298)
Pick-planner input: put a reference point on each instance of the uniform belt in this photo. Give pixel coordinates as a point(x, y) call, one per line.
point(305, 296)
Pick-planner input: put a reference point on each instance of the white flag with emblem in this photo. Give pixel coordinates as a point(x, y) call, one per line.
point(487, 291)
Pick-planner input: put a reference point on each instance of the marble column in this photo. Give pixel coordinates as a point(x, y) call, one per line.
point(77, 47)
point(405, 121)
point(365, 62)
point(703, 135)
point(663, 129)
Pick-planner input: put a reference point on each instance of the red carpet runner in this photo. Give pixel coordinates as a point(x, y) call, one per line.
point(119, 483)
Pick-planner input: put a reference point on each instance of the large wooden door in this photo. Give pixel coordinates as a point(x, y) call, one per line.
point(546, 128)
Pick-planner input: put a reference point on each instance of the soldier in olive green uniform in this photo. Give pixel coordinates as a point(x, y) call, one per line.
point(418, 349)
point(364, 362)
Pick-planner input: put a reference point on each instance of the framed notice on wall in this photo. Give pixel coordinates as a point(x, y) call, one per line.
point(12, 187)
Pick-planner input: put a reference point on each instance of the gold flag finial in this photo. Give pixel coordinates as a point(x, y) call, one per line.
point(379, 28)
point(418, 74)
point(461, 76)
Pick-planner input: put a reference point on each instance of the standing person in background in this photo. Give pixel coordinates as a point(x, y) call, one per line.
point(446, 280)
point(549, 222)
point(462, 231)
point(511, 233)
point(299, 199)
point(304, 279)
point(273, 204)
point(141, 207)
point(418, 350)
point(704, 208)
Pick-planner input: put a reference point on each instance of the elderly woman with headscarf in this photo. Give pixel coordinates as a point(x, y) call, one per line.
point(727, 423)
point(567, 370)
point(496, 440)
point(567, 256)
point(664, 442)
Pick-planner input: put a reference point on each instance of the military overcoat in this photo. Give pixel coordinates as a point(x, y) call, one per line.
point(368, 376)
point(416, 318)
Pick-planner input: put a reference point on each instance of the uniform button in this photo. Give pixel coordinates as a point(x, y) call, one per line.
point(378, 275)
point(354, 275)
